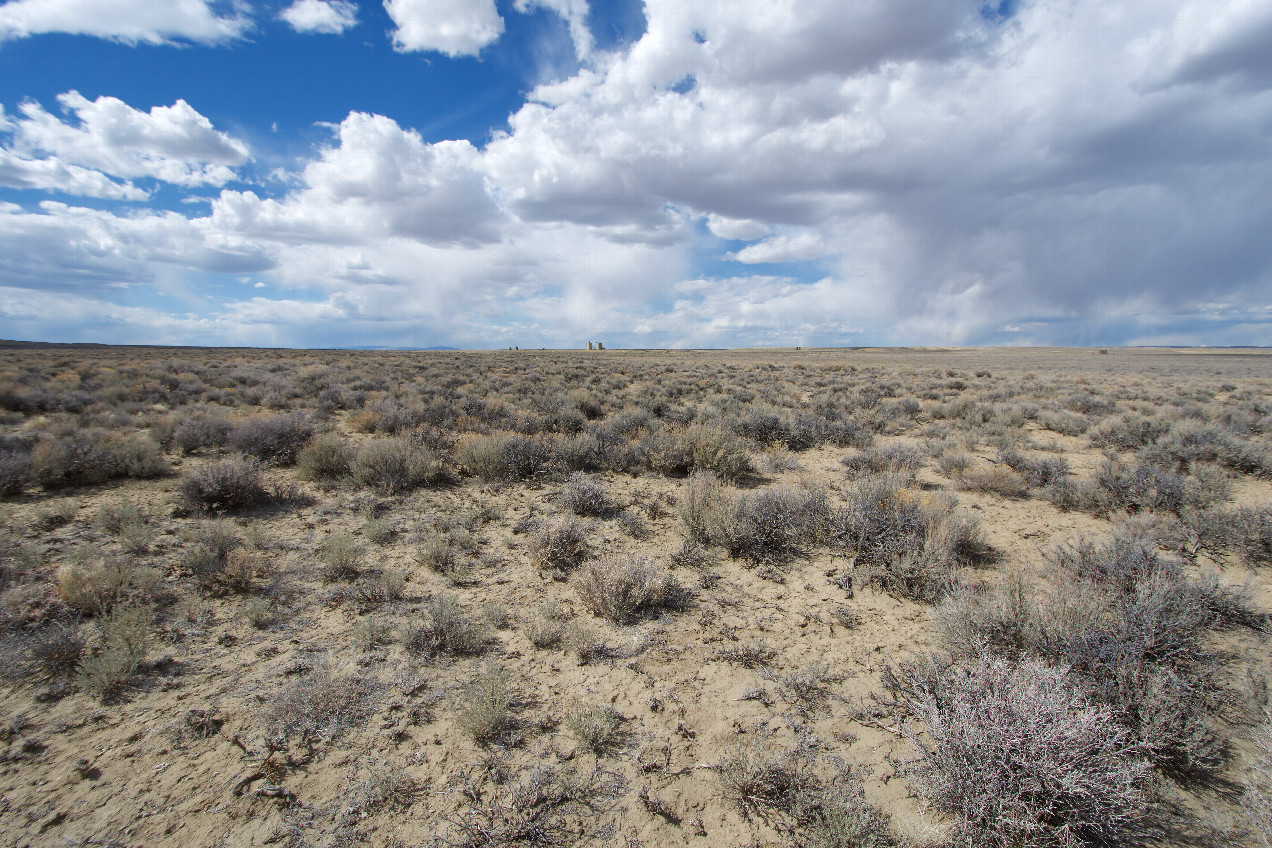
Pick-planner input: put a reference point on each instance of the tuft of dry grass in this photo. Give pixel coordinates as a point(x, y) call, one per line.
point(484, 711)
point(341, 557)
point(449, 630)
point(597, 728)
point(92, 586)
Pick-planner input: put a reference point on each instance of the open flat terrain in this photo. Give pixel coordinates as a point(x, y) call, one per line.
point(716, 598)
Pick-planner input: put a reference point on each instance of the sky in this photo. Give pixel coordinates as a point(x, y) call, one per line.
point(715, 173)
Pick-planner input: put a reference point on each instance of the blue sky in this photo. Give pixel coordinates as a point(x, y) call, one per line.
point(719, 173)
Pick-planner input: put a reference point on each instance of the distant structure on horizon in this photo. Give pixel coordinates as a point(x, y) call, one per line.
point(599, 346)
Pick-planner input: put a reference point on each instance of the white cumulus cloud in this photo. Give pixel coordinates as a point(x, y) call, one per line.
point(735, 228)
point(783, 249)
point(452, 27)
point(128, 21)
point(377, 181)
point(324, 16)
point(51, 174)
point(173, 143)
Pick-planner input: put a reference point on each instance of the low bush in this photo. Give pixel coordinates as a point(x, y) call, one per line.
point(1151, 488)
point(341, 557)
point(559, 544)
point(1037, 471)
point(624, 589)
point(545, 628)
point(1253, 532)
point(901, 459)
point(586, 452)
point(806, 689)
point(716, 449)
point(128, 522)
point(18, 560)
point(1256, 800)
point(260, 613)
point(782, 786)
point(506, 457)
point(548, 805)
point(372, 632)
point(72, 457)
point(205, 559)
point(1067, 494)
point(272, 439)
point(767, 527)
point(15, 472)
point(839, 816)
point(200, 431)
point(449, 630)
point(755, 653)
point(1128, 432)
point(326, 460)
point(220, 560)
point(231, 484)
point(849, 434)
point(761, 777)
point(448, 552)
point(391, 416)
point(596, 728)
point(585, 495)
point(386, 786)
point(1132, 625)
point(701, 502)
point(1064, 423)
point(666, 452)
point(765, 426)
point(485, 708)
point(1020, 754)
point(319, 706)
point(772, 525)
point(54, 652)
point(395, 465)
point(125, 638)
point(906, 543)
point(953, 464)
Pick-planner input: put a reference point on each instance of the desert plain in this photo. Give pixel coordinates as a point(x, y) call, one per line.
point(822, 597)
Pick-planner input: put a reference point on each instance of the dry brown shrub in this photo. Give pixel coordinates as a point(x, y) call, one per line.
point(320, 706)
point(623, 589)
point(560, 544)
point(93, 586)
point(230, 484)
point(995, 479)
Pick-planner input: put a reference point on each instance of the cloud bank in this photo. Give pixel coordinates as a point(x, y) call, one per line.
point(747, 173)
